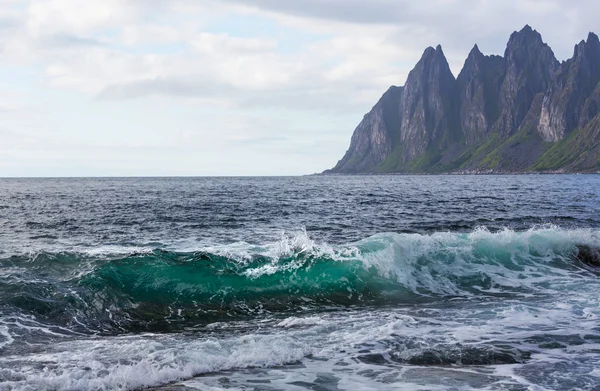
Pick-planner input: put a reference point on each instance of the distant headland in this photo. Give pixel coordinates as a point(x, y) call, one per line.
point(523, 112)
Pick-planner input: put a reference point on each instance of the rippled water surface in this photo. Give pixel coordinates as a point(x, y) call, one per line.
point(320, 283)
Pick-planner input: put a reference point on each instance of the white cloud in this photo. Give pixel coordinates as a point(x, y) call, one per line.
point(241, 75)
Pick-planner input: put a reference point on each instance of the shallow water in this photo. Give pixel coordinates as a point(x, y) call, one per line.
point(323, 283)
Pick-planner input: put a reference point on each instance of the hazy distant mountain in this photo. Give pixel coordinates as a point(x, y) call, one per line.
point(524, 112)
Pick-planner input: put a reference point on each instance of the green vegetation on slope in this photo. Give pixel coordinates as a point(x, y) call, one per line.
point(523, 151)
point(572, 152)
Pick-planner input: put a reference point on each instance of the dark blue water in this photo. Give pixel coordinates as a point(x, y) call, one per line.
point(370, 282)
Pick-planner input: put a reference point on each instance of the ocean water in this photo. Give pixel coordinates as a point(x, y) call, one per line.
point(304, 283)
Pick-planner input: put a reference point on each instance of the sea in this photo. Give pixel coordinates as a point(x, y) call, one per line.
point(300, 283)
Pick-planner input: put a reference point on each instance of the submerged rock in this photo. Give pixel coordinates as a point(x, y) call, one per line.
point(462, 355)
point(589, 255)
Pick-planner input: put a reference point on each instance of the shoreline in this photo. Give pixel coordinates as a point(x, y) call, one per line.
point(455, 173)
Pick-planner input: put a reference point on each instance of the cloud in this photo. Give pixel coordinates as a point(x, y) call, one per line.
point(456, 24)
point(71, 41)
point(112, 50)
point(116, 49)
point(242, 75)
point(351, 11)
point(53, 16)
point(166, 87)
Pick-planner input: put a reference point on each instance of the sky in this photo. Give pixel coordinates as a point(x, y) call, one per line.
point(227, 87)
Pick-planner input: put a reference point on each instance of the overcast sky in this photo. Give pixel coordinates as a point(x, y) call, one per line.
point(229, 87)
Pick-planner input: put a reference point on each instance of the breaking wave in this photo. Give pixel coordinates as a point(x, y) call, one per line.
point(132, 289)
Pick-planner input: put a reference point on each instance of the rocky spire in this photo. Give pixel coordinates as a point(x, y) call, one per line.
point(564, 107)
point(428, 105)
point(528, 65)
point(478, 87)
point(374, 137)
point(495, 116)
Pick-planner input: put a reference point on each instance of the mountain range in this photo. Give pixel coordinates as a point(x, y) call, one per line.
point(521, 112)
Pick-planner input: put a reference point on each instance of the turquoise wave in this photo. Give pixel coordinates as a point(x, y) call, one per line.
point(156, 289)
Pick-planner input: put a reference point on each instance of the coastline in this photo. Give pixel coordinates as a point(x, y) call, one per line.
point(465, 173)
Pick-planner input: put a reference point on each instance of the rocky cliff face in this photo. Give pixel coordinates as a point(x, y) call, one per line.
point(427, 107)
point(528, 65)
point(407, 120)
point(564, 106)
point(478, 93)
point(375, 136)
point(521, 112)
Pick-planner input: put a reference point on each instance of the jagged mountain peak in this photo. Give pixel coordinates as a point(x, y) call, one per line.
point(474, 58)
point(477, 87)
point(591, 46)
point(433, 65)
point(475, 51)
point(526, 49)
point(494, 116)
point(526, 32)
point(529, 67)
point(570, 103)
point(431, 53)
point(523, 41)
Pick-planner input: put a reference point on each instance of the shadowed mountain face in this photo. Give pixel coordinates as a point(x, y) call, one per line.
point(427, 110)
point(478, 87)
point(524, 112)
point(569, 92)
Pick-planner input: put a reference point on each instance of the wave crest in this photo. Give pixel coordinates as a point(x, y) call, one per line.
point(158, 288)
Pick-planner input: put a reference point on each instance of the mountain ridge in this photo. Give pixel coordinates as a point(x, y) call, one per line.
point(521, 112)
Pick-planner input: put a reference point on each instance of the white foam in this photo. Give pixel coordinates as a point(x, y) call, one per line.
point(401, 256)
point(566, 308)
point(134, 362)
point(115, 250)
point(6, 339)
point(336, 337)
point(509, 259)
point(296, 322)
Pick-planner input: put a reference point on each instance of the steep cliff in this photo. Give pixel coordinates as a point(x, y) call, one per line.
point(563, 109)
point(478, 93)
point(523, 112)
point(529, 65)
point(427, 107)
point(375, 136)
point(409, 120)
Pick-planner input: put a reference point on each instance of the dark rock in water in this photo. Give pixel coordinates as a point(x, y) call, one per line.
point(461, 355)
point(523, 112)
point(589, 255)
point(373, 359)
point(431, 358)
